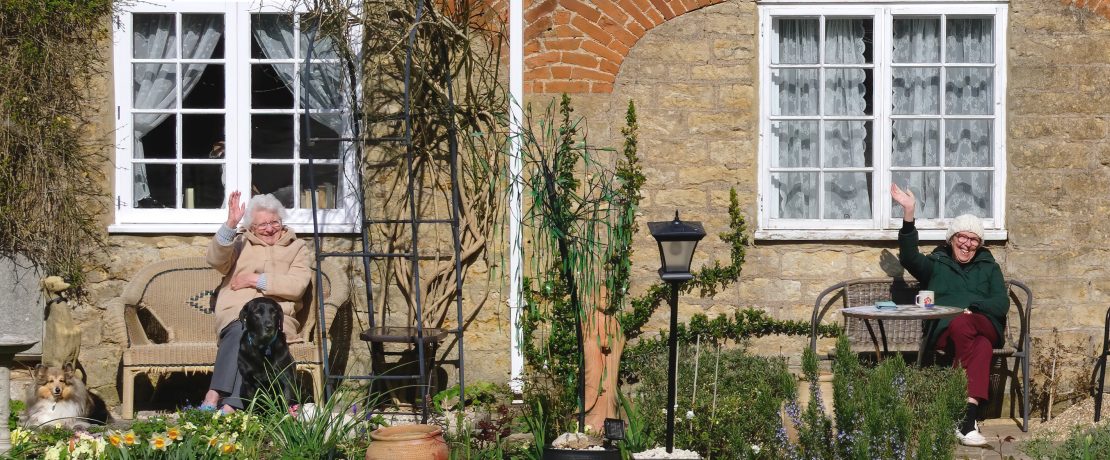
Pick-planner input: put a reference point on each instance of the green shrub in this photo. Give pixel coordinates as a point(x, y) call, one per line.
point(737, 400)
point(1083, 443)
point(889, 411)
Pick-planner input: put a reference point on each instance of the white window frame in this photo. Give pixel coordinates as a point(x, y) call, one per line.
point(882, 225)
point(237, 62)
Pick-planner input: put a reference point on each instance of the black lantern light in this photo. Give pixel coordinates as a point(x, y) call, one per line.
point(677, 240)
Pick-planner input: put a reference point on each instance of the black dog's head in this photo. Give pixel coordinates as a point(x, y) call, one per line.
point(262, 319)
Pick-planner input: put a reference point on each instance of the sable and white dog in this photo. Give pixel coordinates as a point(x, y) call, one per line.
point(59, 398)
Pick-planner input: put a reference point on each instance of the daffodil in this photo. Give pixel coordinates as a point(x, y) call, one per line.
point(228, 448)
point(160, 441)
point(174, 433)
point(130, 439)
point(115, 438)
point(19, 436)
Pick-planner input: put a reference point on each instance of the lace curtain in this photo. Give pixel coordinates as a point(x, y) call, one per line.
point(155, 85)
point(325, 90)
point(967, 91)
point(917, 142)
point(844, 142)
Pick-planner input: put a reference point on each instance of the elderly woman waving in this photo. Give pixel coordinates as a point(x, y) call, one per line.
point(963, 274)
point(265, 260)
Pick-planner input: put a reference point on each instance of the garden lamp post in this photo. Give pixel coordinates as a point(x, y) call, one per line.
point(677, 240)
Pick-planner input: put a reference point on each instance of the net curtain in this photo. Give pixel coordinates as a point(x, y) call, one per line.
point(155, 84)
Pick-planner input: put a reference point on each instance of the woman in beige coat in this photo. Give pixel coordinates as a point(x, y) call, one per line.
point(266, 260)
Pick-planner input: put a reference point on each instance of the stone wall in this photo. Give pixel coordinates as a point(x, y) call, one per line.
point(694, 79)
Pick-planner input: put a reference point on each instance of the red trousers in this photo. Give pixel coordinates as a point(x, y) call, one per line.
point(971, 339)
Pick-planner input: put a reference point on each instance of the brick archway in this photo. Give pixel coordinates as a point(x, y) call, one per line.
point(577, 46)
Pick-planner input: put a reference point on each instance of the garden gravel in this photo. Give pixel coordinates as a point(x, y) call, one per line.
point(661, 452)
point(1081, 415)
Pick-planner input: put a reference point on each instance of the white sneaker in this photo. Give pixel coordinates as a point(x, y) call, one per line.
point(973, 438)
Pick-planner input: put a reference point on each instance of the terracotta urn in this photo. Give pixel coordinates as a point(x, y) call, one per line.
point(407, 442)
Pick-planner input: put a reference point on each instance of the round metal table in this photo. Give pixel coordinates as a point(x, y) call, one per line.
point(900, 312)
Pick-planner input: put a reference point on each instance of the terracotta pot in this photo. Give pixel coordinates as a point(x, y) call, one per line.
point(407, 442)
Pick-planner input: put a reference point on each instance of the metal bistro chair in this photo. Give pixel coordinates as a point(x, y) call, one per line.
point(1100, 367)
point(904, 334)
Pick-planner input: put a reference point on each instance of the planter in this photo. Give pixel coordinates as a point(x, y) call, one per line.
point(408, 442)
point(551, 453)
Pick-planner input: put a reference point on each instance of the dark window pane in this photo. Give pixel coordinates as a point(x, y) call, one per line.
point(155, 36)
point(202, 135)
point(272, 136)
point(204, 186)
point(275, 179)
point(203, 36)
point(207, 82)
point(275, 32)
point(160, 180)
point(325, 178)
point(268, 88)
point(160, 140)
point(321, 128)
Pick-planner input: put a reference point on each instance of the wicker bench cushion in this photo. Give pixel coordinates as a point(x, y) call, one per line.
point(198, 354)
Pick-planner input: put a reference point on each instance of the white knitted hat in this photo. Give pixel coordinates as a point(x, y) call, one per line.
point(964, 223)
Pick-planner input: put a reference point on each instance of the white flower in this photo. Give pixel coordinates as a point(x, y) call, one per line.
point(689, 415)
point(756, 448)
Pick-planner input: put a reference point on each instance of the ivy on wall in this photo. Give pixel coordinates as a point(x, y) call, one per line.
point(50, 176)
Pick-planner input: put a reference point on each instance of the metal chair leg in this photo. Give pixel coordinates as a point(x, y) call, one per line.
point(1101, 366)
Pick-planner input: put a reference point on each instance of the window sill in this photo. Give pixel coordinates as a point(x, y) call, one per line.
point(303, 230)
point(861, 235)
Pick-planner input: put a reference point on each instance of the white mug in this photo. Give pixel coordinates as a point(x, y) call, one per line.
point(925, 299)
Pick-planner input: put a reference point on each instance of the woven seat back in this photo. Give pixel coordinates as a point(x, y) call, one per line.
point(899, 334)
point(178, 294)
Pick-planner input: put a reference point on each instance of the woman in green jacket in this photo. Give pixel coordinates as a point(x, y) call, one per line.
point(963, 274)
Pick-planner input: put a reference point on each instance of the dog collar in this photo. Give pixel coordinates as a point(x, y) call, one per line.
point(250, 341)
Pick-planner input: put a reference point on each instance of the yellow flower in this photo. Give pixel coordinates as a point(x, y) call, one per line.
point(115, 439)
point(174, 433)
point(213, 441)
point(130, 439)
point(160, 441)
point(19, 436)
point(229, 448)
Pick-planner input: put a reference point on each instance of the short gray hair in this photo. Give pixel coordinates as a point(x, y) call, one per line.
point(265, 202)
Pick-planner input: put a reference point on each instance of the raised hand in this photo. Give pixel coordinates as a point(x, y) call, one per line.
point(235, 210)
point(904, 198)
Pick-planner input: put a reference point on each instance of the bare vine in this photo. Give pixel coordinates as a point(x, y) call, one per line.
point(51, 180)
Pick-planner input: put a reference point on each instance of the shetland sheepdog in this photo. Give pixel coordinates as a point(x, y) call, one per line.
point(59, 398)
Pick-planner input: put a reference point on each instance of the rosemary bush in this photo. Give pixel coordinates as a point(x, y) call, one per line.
point(889, 411)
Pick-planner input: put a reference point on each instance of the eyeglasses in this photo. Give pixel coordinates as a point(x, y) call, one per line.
point(965, 239)
point(275, 224)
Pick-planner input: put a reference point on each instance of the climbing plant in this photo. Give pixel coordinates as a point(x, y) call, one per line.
point(51, 196)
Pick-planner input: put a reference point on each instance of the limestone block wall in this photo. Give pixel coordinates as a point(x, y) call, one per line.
point(693, 75)
point(694, 80)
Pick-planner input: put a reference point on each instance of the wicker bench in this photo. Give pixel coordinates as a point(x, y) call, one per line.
point(906, 335)
point(170, 323)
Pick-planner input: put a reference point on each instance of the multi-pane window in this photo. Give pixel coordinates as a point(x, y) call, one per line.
point(855, 97)
point(213, 97)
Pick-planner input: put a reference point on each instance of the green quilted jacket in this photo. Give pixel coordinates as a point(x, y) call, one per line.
point(977, 285)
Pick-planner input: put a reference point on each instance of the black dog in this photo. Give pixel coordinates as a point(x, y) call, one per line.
point(264, 359)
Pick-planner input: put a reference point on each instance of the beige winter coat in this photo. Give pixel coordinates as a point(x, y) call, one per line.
point(287, 268)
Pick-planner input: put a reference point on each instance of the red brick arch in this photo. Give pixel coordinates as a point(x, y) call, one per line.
point(577, 46)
